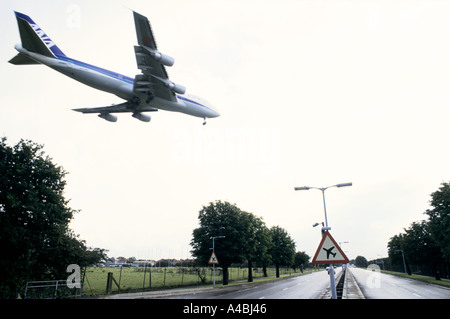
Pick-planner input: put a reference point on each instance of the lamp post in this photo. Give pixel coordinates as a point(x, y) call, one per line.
point(404, 263)
point(323, 189)
point(214, 265)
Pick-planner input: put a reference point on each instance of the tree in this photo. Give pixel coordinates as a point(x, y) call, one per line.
point(256, 241)
point(36, 241)
point(418, 247)
point(283, 248)
point(361, 261)
point(220, 219)
point(439, 219)
point(301, 260)
point(426, 242)
point(395, 246)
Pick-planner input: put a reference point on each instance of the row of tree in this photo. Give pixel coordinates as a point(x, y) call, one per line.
point(37, 243)
point(426, 242)
point(244, 238)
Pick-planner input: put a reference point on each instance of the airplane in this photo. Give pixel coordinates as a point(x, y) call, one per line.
point(149, 91)
point(329, 252)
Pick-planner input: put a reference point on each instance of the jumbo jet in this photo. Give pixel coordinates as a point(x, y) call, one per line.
point(149, 91)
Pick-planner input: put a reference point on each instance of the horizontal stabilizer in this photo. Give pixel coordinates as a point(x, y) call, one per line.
point(22, 59)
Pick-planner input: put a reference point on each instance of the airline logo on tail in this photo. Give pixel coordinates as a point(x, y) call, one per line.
point(40, 35)
point(48, 42)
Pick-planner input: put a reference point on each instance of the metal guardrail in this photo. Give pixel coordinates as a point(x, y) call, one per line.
point(340, 284)
point(51, 289)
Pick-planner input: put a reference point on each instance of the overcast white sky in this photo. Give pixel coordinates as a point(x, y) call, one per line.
point(311, 93)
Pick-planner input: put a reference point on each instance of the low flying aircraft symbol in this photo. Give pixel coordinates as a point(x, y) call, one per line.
point(329, 252)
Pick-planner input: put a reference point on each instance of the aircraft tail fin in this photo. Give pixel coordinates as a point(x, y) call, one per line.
point(34, 39)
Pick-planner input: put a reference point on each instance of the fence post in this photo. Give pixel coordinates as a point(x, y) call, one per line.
point(120, 276)
point(150, 277)
point(164, 284)
point(182, 275)
point(109, 283)
point(145, 272)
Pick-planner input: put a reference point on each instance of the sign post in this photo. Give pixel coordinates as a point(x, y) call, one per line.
point(318, 258)
point(213, 259)
point(329, 252)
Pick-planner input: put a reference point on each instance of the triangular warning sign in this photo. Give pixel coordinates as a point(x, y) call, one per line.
point(213, 259)
point(329, 252)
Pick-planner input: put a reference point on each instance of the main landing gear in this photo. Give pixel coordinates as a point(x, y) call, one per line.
point(204, 121)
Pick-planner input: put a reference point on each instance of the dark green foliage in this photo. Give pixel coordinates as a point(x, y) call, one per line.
point(246, 239)
point(426, 242)
point(36, 241)
point(439, 219)
point(283, 248)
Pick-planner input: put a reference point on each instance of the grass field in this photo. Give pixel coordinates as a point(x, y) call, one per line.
point(443, 282)
point(133, 279)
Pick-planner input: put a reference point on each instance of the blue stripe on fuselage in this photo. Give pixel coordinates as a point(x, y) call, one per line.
point(114, 75)
point(195, 102)
point(117, 76)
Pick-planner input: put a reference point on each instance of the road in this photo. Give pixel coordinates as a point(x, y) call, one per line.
point(308, 286)
point(377, 285)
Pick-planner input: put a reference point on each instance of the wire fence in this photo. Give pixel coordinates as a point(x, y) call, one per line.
point(99, 281)
point(442, 270)
point(51, 289)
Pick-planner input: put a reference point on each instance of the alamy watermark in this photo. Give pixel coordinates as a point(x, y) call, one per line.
point(74, 279)
point(240, 146)
point(74, 16)
point(374, 279)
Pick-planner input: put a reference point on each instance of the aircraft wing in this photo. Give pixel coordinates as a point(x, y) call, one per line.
point(154, 78)
point(118, 108)
point(105, 111)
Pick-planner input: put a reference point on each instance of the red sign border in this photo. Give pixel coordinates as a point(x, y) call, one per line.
point(345, 261)
point(213, 263)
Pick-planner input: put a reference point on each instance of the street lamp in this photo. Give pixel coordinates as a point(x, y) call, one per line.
point(323, 227)
point(323, 189)
point(404, 263)
point(214, 265)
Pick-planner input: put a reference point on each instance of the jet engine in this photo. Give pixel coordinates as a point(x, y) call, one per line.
point(162, 58)
point(108, 117)
point(177, 88)
point(141, 117)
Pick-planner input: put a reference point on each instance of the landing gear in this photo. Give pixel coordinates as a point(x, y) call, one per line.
point(149, 97)
point(204, 121)
point(135, 101)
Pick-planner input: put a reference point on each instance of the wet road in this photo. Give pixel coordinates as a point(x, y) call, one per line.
point(377, 285)
point(308, 286)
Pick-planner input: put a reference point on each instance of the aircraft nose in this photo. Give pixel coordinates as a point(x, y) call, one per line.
point(214, 112)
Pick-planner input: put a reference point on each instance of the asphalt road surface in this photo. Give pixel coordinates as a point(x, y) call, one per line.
point(377, 285)
point(308, 286)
